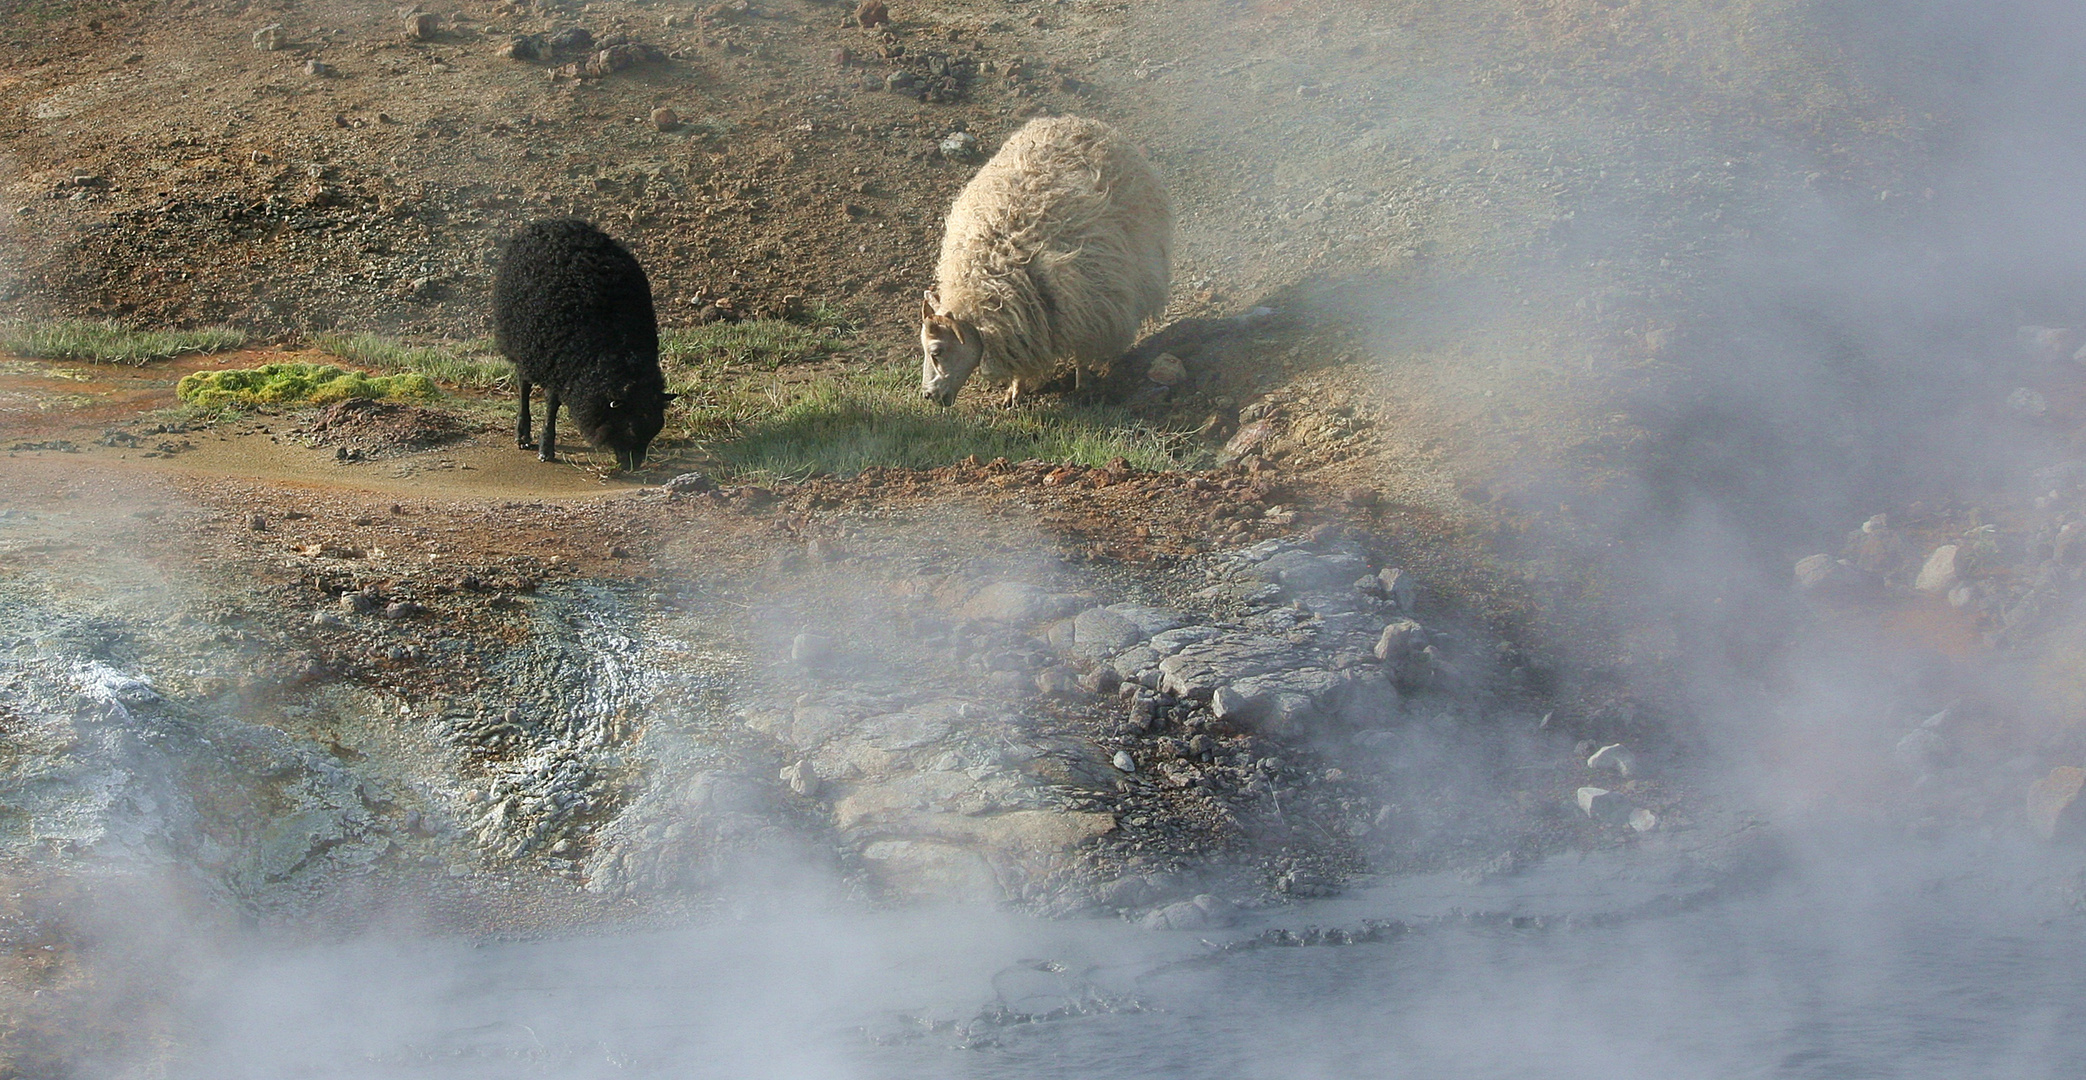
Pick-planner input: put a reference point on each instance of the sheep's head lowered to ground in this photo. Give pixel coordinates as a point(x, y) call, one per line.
point(950, 352)
point(624, 420)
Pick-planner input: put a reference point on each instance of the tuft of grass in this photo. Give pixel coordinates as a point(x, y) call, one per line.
point(296, 384)
point(857, 419)
point(758, 344)
point(109, 343)
point(471, 364)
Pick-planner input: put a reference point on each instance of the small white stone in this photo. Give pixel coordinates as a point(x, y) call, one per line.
point(1643, 820)
point(1614, 756)
point(1124, 762)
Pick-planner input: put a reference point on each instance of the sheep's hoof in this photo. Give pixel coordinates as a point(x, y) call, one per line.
point(547, 457)
point(525, 445)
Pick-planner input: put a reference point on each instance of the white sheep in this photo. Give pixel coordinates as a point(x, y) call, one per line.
point(1057, 251)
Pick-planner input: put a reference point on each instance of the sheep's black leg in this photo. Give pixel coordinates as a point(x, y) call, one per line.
point(548, 449)
point(522, 433)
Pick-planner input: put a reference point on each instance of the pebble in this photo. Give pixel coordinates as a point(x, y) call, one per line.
point(422, 26)
point(872, 14)
point(665, 119)
point(268, 38)
point(318, 69)
point(404, 609)
point(357, 603)
point(1614, 756)
point(960, 146)
point(1643, 820)
point(257, 523)
point(326, 619)
point(1124, 762)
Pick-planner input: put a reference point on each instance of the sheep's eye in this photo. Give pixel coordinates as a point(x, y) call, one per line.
point(615, 404)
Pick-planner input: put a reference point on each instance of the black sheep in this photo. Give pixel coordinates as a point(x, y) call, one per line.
point(572, 309)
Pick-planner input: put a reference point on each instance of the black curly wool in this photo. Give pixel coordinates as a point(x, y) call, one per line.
point(572, 310)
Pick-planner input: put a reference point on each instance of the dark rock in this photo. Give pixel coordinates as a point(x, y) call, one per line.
point(572, 39)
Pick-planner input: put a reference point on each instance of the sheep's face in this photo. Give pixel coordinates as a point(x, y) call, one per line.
point(624, 421)
point(950, 352)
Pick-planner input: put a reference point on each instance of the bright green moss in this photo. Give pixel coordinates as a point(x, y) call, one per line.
point(297, 384)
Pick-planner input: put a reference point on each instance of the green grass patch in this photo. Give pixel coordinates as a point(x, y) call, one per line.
point(755, 344)
point(296, 384)
point(766, 427)
point(108, 343)
point(472, 365)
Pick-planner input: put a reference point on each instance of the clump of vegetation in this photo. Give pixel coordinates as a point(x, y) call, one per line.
point(471, 364)
point(109, 343)
point(297, 384)
point(754, 344)
point(855, 419)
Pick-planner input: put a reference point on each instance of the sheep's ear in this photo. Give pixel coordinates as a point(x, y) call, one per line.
point(928, 302)
point(958, 327)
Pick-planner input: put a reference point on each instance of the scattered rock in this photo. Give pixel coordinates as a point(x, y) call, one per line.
point(960, 146)
point(1124, 762)
point(1204, 912)
point(571, 39)
point(872, 14)
point(1614, 756)
point(268, 38)
point(1248, 439)
point(810, 650)
point(802, 779)
point(1643, 820)
point(404, 609)
point(1166, 369)
point(1302, 571)
point(2054, 806)
point(1101, 680)
point(1058, 681)
point(1603, 805)
point(1940, 572)
point(691, 483)
point(422, 26)
point(1103, 630)
point(318, 69)
point(1399, 587)
point(665, 119)
point(1015, 602)
point(357, 603)
point(526, 47)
